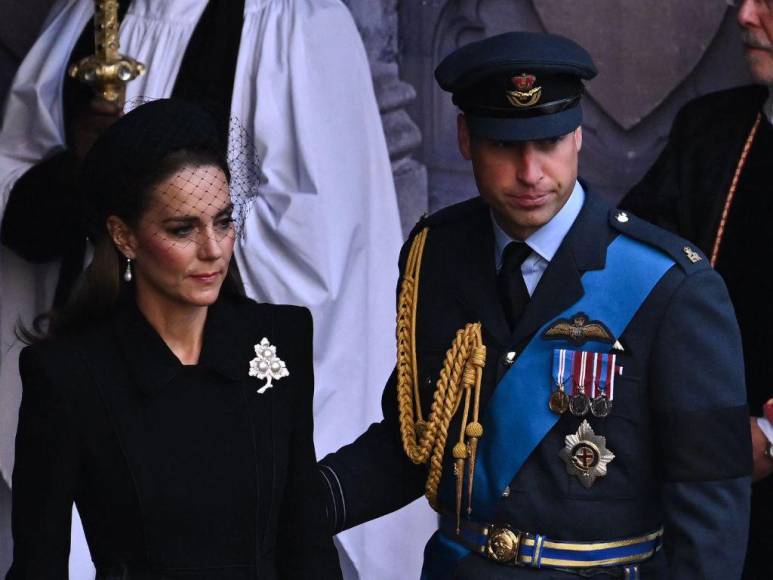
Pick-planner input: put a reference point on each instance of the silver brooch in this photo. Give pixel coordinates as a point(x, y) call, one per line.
point(586, 454)
point(266, 365)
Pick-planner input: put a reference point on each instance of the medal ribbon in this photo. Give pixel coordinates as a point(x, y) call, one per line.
point(516, 417)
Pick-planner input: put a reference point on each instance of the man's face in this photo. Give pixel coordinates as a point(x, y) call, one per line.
point(756, 20)
point(526, 183)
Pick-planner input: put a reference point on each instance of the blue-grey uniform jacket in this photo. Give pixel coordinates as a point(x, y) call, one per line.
point(678, 428)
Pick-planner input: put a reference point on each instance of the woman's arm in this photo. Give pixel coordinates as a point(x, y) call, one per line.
point(44, 476)
point(304, 545)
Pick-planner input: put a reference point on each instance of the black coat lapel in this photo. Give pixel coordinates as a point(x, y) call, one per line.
point(584, 248)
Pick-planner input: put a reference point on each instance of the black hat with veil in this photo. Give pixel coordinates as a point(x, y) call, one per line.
point(169, 159)
point(126, 161)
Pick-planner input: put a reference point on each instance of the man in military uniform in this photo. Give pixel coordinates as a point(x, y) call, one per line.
point(594, 422)
point(711, 184)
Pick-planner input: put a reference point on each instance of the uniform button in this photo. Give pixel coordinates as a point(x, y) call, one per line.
point(506, 493)
point(509, 358)
point(622, 217)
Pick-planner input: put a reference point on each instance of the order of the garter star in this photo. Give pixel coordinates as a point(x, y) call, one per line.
point(266, 365)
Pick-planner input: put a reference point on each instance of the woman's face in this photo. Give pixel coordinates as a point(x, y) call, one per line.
point(183, 242)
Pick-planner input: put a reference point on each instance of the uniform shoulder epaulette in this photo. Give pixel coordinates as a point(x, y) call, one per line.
point(450, 215)
point(686, 254)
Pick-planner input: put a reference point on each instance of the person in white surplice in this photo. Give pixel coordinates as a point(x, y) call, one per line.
point(324, 231)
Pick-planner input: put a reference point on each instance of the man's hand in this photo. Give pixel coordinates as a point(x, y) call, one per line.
point(91, 122)
point(763, 465)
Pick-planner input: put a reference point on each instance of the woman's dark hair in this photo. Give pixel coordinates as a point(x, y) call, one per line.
point(117, 178)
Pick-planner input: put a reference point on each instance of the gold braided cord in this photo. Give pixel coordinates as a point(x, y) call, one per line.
point(731, 192)
point(460, 378)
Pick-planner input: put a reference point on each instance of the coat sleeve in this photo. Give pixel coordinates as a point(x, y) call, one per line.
point(44, 476)
point(305, 547)
point(702, 441)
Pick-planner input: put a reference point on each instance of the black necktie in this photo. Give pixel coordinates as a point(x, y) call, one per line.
point(512, 289)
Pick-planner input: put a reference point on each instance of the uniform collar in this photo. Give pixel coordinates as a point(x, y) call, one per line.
point(153, 365)
point(547, 239)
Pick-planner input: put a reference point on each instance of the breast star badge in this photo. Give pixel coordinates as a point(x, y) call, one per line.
point(266, 365)
point(586, 455)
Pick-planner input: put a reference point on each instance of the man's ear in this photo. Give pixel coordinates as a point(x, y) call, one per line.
point(463, 136)
point(578, 138)
point(122, 236)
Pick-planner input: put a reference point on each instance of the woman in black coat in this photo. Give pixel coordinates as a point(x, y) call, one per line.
point(175, 413)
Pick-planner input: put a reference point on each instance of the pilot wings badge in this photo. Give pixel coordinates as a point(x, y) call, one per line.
point(578, 330)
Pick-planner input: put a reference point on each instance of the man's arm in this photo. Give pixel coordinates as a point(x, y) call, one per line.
point(702, 443)
point(44, 204)
point(372, 476)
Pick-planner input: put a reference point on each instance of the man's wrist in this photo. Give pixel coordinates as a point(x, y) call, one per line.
point(766, 427)
point(768, 452)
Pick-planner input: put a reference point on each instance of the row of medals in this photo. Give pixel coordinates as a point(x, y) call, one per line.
point(579, 404)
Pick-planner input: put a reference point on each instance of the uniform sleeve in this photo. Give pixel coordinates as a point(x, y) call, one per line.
point(304, 545)
point(703, 445)
point(44, 476)
point(372, 476)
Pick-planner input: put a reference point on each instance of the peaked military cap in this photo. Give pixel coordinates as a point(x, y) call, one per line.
point(518, 86)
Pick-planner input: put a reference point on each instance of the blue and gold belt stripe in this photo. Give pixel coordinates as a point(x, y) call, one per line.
point(511, 547)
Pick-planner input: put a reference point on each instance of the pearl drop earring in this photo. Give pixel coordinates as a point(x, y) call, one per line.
point(127, 273)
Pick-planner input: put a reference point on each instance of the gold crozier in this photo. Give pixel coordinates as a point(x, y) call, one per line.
point(107, 71)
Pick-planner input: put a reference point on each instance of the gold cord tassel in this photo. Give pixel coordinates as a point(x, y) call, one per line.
point(424, 440)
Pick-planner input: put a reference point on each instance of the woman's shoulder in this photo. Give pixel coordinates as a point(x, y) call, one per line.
point(59, 361)
point(250, 311)
point(67, 354)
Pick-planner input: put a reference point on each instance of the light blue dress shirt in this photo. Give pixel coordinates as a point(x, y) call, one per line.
point(544, 242)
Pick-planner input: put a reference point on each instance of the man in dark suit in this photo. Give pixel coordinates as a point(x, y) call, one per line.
point(606, 432)
point(711, 184)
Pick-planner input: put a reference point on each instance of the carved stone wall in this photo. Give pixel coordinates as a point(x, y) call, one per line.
point(652, 58)
point(377, 21)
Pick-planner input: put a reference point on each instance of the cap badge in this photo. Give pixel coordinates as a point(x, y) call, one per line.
point(526, 94)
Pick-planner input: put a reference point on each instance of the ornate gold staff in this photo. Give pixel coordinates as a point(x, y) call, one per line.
point(107, 71)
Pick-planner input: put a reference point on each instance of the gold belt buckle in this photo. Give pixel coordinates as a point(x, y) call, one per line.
point(503, 544)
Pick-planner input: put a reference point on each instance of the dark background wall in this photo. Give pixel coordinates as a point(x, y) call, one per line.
point(652, 56)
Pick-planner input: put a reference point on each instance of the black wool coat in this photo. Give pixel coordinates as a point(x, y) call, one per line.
point(178, 472)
